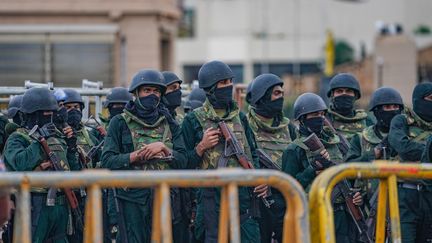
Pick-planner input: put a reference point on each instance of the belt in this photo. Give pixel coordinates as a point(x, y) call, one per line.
point(413, 186)
point(59, 200)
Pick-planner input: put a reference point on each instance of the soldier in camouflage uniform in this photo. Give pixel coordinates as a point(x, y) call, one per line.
point(116, 101)
point(14, 114)
point(273, 132)
point(344, 91)
point(202, 137)
point(25, 153)
point(370, 144)
point(304, 165)
point(144, 132)
point(172, 98)
point(408, 136)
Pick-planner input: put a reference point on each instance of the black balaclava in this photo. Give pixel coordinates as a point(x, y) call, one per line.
point(37, 118)
point(74, 118)
point(173, 100)
point(311, 125)
point(270, 109)
point(220, 98)
point(384, 118)
point(344, 104)
point(146, 108)
point(113, 111)
point(18, 118)
point(423, 107)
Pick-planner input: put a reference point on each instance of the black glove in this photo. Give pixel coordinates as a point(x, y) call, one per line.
point(72, 143)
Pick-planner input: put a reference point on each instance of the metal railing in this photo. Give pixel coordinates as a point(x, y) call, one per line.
point(320, 206)
point(295, 229)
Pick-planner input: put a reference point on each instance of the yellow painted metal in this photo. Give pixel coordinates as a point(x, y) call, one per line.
point(234, 213)
point(381, 211)
point(321, 212)
point(296, 225)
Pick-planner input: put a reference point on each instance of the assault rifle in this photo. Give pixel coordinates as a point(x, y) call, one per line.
point(39, 134)
point(120, 216)
point(344, 145)
point(266, 161)
point(344, 187)
point(232, 147)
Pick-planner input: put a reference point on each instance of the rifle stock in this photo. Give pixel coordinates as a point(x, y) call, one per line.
point(266, 161)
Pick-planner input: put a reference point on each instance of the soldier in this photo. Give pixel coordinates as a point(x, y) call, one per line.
point(23, 152)
point(370, 144)
point(195, 100)
point(116, 101)
point(408, 135)
point(172, 98)
point(3, 136)
point(142, 138)
point(273, 132)
point(14, 114)
point(74, 105)
point(304, 165)
point(205, 148)
point(344, 91)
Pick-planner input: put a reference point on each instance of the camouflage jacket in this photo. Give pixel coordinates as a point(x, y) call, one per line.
point(85, 141)
point(273, 140)
point(349, 126)
point(363, 144)
point(23, 153)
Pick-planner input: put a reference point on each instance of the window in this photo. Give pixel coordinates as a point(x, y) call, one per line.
point(187, 24)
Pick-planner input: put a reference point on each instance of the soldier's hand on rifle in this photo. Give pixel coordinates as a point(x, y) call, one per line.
point(68, 132)
point(45, 165)
point(209, 140)
point(322, 161)
point(152, 150)
point(358, 199)
point(261, 190)
point(325, 154)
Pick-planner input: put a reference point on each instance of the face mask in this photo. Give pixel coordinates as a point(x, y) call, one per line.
point(173, 99)
point(146, 108)
point(17, 119)
point(37, 118)
point(384, 119)
point(344, 104)
point(221, 98)
point(423, 108)
point(74, 117)
point(115, 111)
point(314, 125)
point(270, 109)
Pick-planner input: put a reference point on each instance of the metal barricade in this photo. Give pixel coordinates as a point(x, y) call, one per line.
point(296, 225)
point(320, 206)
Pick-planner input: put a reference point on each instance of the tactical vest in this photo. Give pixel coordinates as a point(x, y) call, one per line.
point(273, 140)
point(208, 118)
point(143, 134)
point(331, 145)
point(83, 140)
point(349, 126)
point(56, 145)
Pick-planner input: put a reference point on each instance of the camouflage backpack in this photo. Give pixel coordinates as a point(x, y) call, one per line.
point(143, 134)
point(207, 118)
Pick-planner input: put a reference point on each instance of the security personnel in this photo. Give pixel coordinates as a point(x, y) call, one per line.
point(304, 165)
point(372, 143)
point(116, 101)
point(145, 131)
point(202, 138)
point(344, 91)
point(3, 136)
point(74, 105)
point(24, 153)
point(408, 135)
point(14, 114)
point(172, 98)
point(195, 100)
point(273, 132)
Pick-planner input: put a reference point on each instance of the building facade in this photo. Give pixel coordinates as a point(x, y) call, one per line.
point(65, 41)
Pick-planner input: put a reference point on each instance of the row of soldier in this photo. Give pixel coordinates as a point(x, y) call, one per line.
point(144, 132)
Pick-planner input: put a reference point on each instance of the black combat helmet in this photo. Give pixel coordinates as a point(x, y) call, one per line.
point(171, 78)
point(38, 99)
point(14, 105)
point(261, 84)
point(385, 96)
point(344, 80)
point(117, 95)
point(197, 94)
point(72, 96)
point(308, 103)
point(148, 77)
point(248, 93)
point(212, 72)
